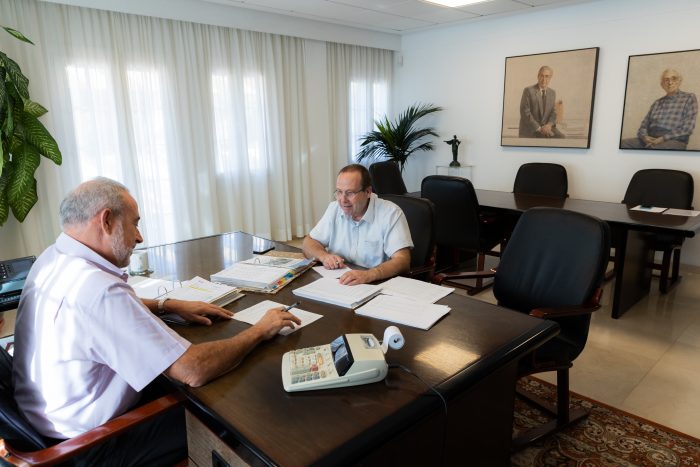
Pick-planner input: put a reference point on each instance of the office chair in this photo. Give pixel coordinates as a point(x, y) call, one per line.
point(460, 225)
point(669, 189)
point(420, 214)
point(386, 178)
point(21, 444)
point(543, 179)
point(552, 268)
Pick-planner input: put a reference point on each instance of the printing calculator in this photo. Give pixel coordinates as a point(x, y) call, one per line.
point(349, 360)
point(12, 275)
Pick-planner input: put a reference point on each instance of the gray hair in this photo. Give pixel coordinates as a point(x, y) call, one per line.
point(544, 67)
point(89, 198)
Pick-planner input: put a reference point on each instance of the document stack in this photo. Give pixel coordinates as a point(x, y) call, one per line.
point(195, 289)
point(262, 273)
point(329, 290)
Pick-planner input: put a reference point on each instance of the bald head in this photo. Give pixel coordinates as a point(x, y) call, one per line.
point(89, 198)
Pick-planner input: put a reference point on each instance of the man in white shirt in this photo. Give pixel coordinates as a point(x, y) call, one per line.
point(86, 345)
point(362, 229)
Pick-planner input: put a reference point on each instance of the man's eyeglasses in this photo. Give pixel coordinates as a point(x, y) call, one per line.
point(348, 194)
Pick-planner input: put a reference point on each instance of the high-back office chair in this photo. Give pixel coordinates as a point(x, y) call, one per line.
point(669, 189)
point(21, 444)
point(386, 178)
point(459, 223)
point(420, 214)
point(540, 178)
point(553, 268)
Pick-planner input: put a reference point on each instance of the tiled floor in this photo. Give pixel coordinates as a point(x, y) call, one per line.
point(648, 361)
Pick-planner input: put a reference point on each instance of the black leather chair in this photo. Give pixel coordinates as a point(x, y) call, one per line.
point(460, 225)
point(540, 178)
point(669, 189)
point(420, 214)
point(21, 444)
point(552, 268)
point(386, 178)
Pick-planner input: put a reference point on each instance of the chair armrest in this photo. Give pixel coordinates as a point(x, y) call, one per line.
point(443, 276)
point(591, 305)
point(71, 447)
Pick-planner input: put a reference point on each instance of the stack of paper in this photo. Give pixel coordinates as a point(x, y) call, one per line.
point(404, 311)
point(420, 291)
point(195, 289)
point(253, 276)
point(328, 290)
point(294, 264)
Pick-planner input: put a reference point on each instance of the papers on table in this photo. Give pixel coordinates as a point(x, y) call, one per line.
point(195, 289)
point(645, 208)
point(253, 276)
point(420, 291)
point(330, 291)
point(681, 212)
point(334, 273)
point(254, 313)
point(404, 311)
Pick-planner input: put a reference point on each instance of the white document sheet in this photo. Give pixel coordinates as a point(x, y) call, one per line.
point(253, 314)
point(423, 292)
point(328, 290)
point(146, 287)
point(681, 212)
point(643, 208)
point(404, 311)
point(332, 273)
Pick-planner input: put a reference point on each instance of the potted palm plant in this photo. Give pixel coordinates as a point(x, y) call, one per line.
point(23, 139)
point(398, 140)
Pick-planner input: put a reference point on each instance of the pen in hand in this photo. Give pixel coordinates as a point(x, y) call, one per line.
point(289, 307)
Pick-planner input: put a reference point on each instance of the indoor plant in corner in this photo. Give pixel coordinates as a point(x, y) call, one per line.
point(397, 140)
point(23, 139)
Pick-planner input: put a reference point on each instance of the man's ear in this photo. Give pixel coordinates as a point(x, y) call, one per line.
point(106, 218)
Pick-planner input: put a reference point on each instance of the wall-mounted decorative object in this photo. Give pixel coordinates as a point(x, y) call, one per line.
point(548, 99)
point(661, 105)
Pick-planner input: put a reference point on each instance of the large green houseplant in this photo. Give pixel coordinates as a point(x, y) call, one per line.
point(23, 139)
point(398, 140)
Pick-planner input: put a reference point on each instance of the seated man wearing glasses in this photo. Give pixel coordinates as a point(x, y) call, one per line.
point(361, 229)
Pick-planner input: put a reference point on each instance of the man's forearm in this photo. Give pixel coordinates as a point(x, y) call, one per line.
point(397, 264)
point(313, 248)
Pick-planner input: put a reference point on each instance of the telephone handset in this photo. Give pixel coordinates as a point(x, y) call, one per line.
point(350, 360)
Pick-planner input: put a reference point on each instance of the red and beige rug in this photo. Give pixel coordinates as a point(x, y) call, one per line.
point(608, 437)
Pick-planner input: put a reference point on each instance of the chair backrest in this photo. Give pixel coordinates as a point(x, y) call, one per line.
point(457, 221)
point(540, 178)
point(420, 215)
point(386, 178)
point(554, 258)
point(661, 187)
point(14, 428)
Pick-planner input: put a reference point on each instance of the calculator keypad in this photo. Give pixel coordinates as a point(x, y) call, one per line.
point(311, 364)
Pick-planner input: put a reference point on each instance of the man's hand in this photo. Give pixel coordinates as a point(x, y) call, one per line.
point(332, 261)
point(650, 141)
point(546, 130)
point(274, 320)
point(196, 312)
point(358, 277)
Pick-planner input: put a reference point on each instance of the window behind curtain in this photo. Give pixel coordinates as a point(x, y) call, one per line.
point(368, 102)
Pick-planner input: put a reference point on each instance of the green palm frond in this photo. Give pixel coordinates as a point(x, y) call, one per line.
point(400, 139)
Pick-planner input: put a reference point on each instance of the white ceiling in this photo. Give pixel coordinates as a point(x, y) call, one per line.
point(392, 16)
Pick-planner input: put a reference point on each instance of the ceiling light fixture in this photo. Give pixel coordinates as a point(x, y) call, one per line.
point(455, 3)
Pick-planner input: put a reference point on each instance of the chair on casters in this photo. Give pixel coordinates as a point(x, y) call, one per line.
point(552, 268)
point(386, 178)
point(22, 445)
point(460, 225)
point(420, 214)
point(542, 179)
point(669, 189)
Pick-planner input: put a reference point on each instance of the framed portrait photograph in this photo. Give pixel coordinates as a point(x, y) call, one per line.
point(548, 99)
point(661, 104)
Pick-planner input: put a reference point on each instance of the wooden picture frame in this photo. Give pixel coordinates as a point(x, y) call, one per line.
point(562, 117)
point(661, 105)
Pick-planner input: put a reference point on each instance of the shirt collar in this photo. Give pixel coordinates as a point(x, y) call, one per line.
point(72, 247)
point(369, 214)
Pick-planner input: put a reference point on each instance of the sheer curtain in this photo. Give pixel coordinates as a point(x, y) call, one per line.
point(209, 127)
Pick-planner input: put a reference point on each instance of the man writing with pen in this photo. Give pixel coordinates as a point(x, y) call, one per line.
point(362, 229)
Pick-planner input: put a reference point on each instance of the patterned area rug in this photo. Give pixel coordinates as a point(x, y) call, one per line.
point(608, 437)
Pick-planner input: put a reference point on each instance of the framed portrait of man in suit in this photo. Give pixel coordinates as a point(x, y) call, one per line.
point(548, 99)
point(661, 104)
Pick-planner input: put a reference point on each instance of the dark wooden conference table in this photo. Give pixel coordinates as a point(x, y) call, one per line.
point(633, 256)
point(469, 356)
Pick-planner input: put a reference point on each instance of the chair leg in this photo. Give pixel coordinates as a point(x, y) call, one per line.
point(665, 268)
point(565, 416)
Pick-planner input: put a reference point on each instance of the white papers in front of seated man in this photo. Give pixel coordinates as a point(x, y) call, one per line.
point(329, 290)
point(253, 314)
point(423, 292)
point(404, 311)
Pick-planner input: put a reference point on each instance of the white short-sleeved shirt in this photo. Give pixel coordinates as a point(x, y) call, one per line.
point(380, 233)
point(85, 344)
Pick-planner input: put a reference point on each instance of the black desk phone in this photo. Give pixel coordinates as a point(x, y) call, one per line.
point(13, 273)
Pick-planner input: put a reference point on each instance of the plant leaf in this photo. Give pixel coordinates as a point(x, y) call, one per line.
point(36, 134)
point(17, 34)
point(24, 164)
point(34, 108)
point(22, 206)
point(20, 82)
point(4, 205)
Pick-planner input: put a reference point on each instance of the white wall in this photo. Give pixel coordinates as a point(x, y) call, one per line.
point(462, 69)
